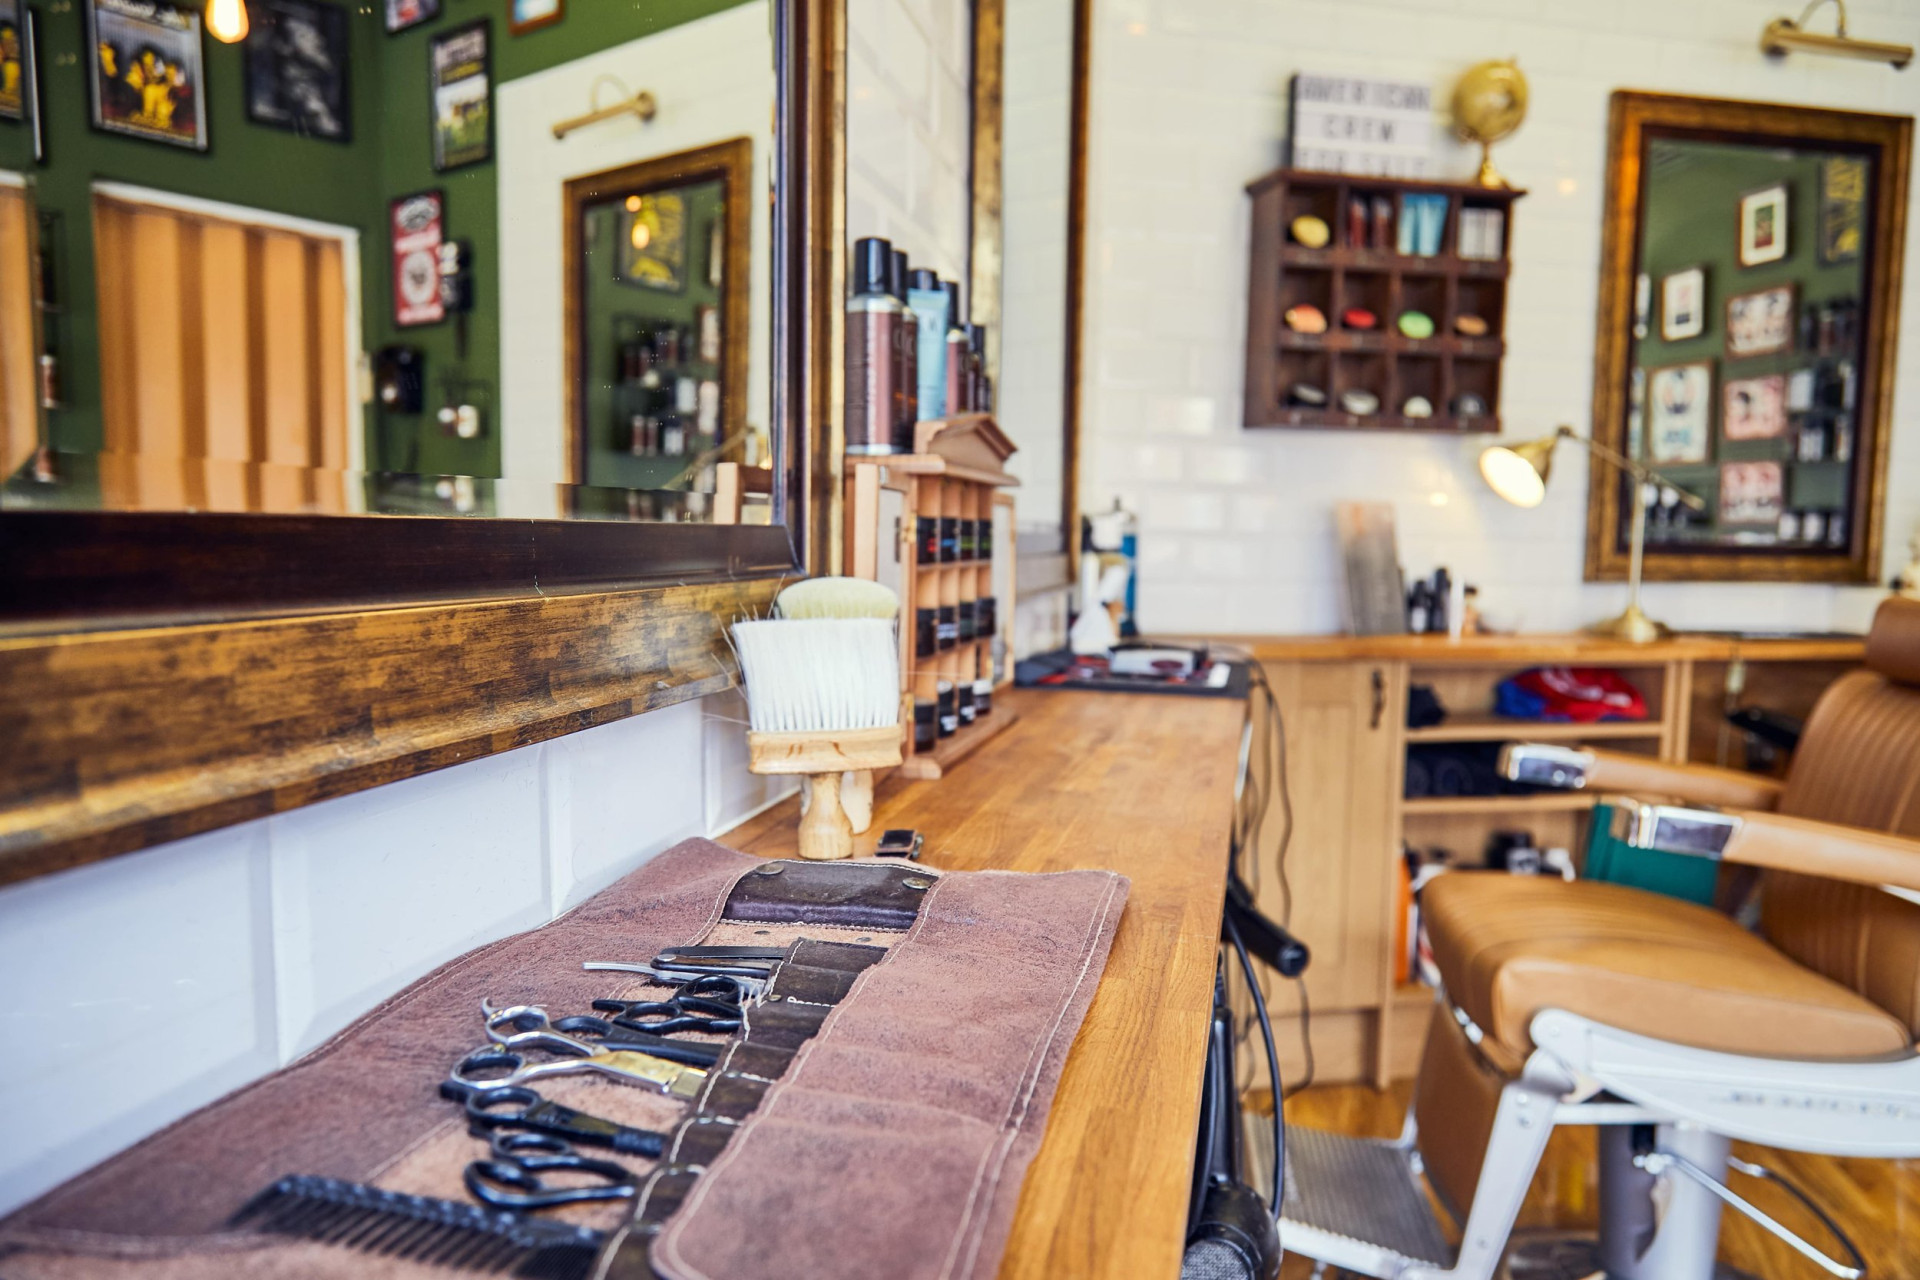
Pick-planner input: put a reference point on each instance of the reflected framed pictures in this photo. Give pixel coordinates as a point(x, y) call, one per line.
point(653, 241)
point(1843, 203)
point(1683, 304)
point(1760, 323)
point(1752, 493)
point(530, 15)
point(146, 74)
point(1680, 412)
point(402, 14)
point(1754, 408)
point(1763, 225)
point(13, 62)
point(460, 79)
point(296, 60)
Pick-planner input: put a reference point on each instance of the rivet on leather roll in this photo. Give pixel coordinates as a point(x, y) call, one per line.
point(771, 869)
point(917, 883)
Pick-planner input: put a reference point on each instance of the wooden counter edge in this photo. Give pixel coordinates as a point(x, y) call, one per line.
point(1545, 647)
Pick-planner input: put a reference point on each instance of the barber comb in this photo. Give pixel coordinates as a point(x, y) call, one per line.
point(421, 1228)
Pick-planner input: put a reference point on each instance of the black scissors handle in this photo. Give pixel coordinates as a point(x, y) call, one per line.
point(665, 1017)
point(518, 1107)
point(512, 1179)
point(583, 1026)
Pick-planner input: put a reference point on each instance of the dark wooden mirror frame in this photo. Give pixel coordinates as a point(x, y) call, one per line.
point(1635, 119)
point(1045, 558)
point(165, 674)
point(731, 163)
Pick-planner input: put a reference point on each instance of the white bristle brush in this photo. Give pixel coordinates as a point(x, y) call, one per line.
point(823, 700)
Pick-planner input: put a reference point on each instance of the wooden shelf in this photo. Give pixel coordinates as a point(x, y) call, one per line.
point(950, 751)
point(1552, 802)
point(1364, 260)
point(1334, 420)
point(1391, 342)
point(1500, 729)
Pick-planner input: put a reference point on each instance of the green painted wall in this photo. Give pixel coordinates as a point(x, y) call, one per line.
point(348, 184)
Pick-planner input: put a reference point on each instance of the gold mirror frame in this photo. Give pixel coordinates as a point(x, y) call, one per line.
point(1634, 119)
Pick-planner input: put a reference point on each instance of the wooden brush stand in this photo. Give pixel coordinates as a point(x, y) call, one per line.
point(948, 612)
point(825, 759)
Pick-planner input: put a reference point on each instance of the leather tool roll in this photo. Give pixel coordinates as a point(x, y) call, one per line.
point(873, 1116)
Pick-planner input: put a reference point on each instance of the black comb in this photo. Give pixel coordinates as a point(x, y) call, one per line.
point(442, 1232)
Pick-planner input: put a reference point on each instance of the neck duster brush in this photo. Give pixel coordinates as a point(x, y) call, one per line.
point(822, 679)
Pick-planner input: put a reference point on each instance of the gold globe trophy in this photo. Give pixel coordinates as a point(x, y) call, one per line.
point(1488, 104)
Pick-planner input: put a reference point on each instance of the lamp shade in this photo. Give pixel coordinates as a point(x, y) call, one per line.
point(1518, 472)
point(227, 20)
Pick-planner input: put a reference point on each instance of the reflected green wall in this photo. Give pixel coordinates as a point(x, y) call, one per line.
point(347, 184)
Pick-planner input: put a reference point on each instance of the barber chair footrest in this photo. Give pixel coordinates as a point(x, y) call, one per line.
point(1569, 1255)
point(1363, 1189)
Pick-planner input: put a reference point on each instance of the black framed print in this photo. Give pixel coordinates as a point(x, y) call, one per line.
point(297, 69)
point(13, 62)
point(147, 77)
point(460, 78)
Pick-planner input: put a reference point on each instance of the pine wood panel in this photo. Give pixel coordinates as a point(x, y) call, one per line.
point(1876, 1201)
point(1139, 784)
point(1571, 648)
point(121, 739)
point(19, 376)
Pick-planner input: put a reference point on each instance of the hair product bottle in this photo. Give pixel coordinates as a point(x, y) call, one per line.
point(928, 301)
point(980, 387)
point(874, 317)
point(906, 349)
point(958, 384)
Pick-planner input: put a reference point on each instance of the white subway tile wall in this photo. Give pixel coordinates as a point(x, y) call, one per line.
point(1189, 103)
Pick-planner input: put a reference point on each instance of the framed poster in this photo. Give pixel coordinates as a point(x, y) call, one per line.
point(1680, 412)
point(1763, 225)
point(1754, 408)
point(402, 14)
point(1752, 493)
point(297, 69)
point(530, 15)
point(147, 71)
point(1760, 323)
point(1843, 202)
point(653, 241)
point(1683, 304)
point(460, 77)
point(13, 62)
point(417, 225)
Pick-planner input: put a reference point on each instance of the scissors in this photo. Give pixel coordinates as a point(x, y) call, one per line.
point(742, 985)
point(711, 1003)
point(511, 1177)
point(491, 1067)
point(518, 1107)
point(526, 1026)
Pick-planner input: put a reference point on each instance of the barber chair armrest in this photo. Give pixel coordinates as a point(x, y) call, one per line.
point(1774, 841)
point(1583, 768)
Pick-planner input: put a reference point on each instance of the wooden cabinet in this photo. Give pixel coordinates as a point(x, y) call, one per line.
point(1344, 707)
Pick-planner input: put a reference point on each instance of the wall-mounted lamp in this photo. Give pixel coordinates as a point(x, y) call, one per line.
point(1786, 35)
point(227, 20)
point(641, 105)
point(1518, 473)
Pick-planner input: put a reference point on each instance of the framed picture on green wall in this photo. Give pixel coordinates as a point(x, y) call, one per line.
point(460, 77)
point(297, 69)
point(530, 15)
point(402, 14)
point(147, 71)
point(1843, 203)
point(1763, 225)
point(13, 78)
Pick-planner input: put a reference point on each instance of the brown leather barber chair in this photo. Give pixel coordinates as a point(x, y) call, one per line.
point(1667, 1024)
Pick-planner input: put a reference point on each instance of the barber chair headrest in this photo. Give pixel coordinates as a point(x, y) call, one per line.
point(1893, 646)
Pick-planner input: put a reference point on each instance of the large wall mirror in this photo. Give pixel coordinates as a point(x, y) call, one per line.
point(334, 268)
point(1749, 309)
point(1029, 191)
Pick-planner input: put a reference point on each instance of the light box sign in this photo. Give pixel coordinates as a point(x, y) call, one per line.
point(1343, 124)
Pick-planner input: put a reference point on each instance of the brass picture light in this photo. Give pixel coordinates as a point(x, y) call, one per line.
point(1518, 473)
point(1787, 35)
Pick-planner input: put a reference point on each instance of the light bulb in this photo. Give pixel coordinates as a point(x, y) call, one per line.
point(227, 20)
point(641, 236)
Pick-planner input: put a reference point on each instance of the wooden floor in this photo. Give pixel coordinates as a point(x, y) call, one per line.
point(1876, 1201)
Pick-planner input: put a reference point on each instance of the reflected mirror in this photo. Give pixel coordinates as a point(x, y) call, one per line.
point(1747, 336)
point(390, 258)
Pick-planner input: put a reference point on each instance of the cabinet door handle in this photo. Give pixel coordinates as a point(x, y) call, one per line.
point(1379, 698)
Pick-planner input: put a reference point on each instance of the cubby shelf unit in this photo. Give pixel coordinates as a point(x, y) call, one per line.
point(1341, 276)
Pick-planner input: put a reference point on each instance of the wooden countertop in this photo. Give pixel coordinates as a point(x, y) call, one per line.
point(1141, 784)
point(1547, 647)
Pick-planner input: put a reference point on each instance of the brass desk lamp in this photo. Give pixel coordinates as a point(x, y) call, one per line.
point(1518, 473)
